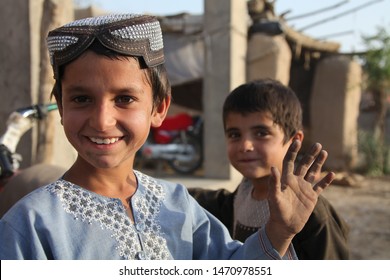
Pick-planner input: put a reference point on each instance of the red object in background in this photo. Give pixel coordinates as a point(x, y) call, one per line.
point(162, 135)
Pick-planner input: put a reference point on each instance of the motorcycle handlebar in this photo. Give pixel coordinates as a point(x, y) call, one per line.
point(15, 130)
point(38, 111)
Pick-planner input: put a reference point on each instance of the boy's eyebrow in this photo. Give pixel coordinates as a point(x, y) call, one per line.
point(75, 88)
point(84, 88)
point(230, 129)
point(260, 126)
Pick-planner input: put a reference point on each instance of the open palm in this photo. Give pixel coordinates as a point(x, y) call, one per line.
point(293, 194)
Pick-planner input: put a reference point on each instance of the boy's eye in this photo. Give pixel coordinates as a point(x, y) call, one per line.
point(81, 99)
point(262, 133)
point(124, 99)
point(232, 135)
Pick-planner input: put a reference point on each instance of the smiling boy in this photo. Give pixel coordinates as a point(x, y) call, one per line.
point(261, 120)
point(111, 87)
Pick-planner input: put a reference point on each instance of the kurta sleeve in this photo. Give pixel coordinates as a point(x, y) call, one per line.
point(218, 202)
point(212, 240)
point(19, 243)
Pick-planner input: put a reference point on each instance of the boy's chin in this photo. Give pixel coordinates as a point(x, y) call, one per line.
point(256, 175)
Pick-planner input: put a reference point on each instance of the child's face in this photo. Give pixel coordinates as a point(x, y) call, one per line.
point(107, 109)
point(254, 143)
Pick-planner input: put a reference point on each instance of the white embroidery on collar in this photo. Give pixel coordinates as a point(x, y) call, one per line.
point(144, 236)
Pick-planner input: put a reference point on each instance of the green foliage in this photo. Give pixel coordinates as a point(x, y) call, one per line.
point(376, 154)
point(376, 61)
point(376, 65)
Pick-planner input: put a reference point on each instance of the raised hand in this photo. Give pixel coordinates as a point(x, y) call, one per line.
point(292, 195)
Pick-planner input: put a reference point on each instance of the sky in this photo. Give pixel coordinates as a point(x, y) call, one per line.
point(346, 30)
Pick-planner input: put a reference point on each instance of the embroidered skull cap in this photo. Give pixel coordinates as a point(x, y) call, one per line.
point(127, 34)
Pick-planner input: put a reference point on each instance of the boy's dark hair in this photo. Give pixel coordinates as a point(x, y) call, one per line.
point(157, 76)
point(267, 95)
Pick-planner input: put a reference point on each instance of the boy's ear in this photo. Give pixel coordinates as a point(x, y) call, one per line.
point(299, 136)
point(159, 113)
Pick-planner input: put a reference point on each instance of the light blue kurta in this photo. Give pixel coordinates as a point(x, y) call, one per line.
point(64, 221)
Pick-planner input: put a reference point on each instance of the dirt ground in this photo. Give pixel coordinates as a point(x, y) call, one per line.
point(366, 208)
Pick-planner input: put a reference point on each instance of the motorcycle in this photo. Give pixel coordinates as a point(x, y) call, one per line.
point(178, 141)
point(18, 123)
point(15, 182)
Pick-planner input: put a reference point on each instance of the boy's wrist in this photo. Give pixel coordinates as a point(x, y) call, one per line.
point(279, 239)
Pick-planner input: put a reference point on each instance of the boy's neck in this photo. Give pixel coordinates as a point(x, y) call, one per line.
point(260, 188)
point(103, 182)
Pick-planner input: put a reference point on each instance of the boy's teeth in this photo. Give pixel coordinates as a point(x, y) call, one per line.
point(104, 140)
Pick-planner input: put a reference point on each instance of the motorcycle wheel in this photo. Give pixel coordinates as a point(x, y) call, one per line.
point(194, 152)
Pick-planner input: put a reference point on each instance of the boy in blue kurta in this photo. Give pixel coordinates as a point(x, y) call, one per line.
point(111, 87)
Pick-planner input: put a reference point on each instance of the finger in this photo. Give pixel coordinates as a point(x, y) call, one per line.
point(324, 182)
point(308, 159)
point(274, 185)
point(291, 155)
point(316, 167)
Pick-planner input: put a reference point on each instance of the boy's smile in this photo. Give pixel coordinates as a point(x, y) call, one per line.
point(254, 143)
point(104, 141)
point(107, 109)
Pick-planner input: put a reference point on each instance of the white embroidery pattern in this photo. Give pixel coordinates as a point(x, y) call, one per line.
point(147, 208)
point(255, 214)
point(111, 215)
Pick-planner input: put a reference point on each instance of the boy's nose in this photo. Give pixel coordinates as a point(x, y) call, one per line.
point(247, 145)
point(103, 117)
